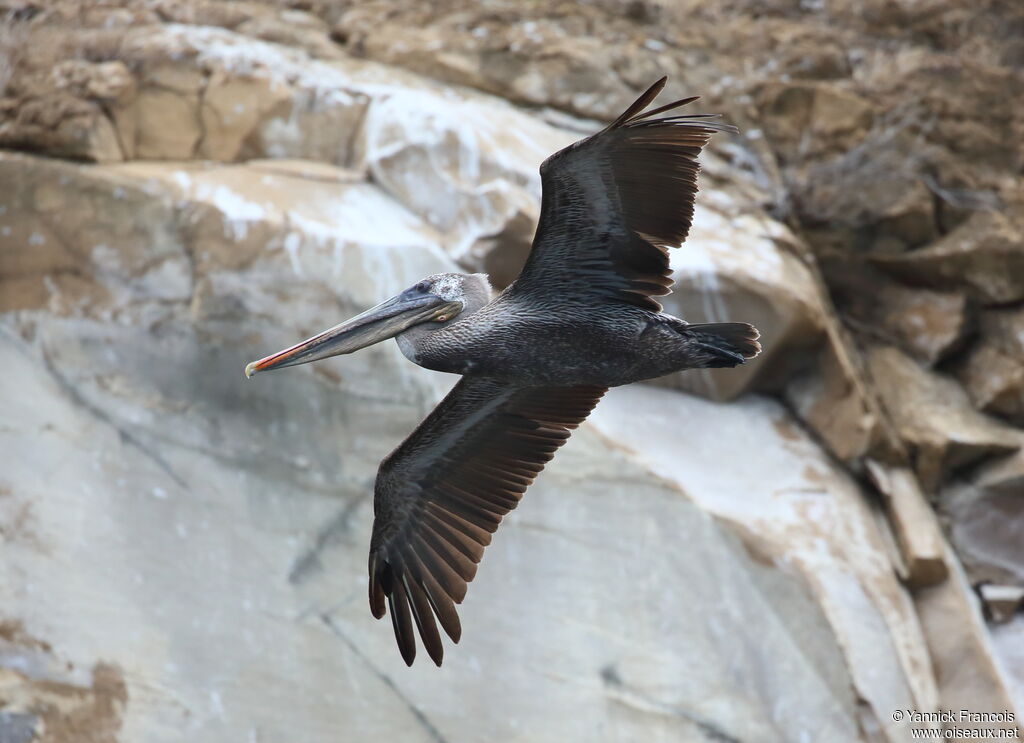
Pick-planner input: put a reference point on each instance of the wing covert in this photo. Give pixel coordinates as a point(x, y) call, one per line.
point(443, 492)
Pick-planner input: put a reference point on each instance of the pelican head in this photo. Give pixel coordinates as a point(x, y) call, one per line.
point(429, 303)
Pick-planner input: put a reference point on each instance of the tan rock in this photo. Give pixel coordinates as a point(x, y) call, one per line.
point(1004, 475)
point(466, 165)
point(993, 371)
point(293, 28)
point(163, 121)
point(232, 108)
point(929, 325)
point(899, 209)
point(167, 125)
point(532, 62)
point(163, 74)
point(1001, 602)
point(984, 516)
point(94, 139)
point(934, 417)
point(1004, 328)
point(223, 96)
point(869, 191)
point(65, 126)
point(832, 396)
point(812, 117)
point(982, 256)
point(306, 169)
point(918, 535)
point(969, 674)
point(311, 124)
point(828, 400)
point(32, 252)
point(74, 233)
point(106, 81)
point(995, 381)
point(207, 13)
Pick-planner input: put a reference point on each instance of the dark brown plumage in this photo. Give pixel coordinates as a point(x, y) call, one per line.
point(442, 493)
point(613, 202)
point(536, 359)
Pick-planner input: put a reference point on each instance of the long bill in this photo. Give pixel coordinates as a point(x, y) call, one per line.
point(379, 323)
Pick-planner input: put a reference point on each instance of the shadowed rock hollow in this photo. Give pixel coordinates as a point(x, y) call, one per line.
point(787, 551)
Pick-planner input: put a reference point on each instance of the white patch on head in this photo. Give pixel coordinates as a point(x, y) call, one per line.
point(448, 286)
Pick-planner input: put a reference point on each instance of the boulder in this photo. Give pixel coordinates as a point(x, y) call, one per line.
point(995, 381)
point(835, 399)
point(993, 370)
point(178, 92)
point(1004, 475)
point(982, 257)
point(291, 27)
point(234, 97)
point(62, 125)
point(162, 122)
point(1001, 602)
point(469, 166)
point(72, 238)
point(233, 107)
point(928, 325)
point(103, 81)
point(807, 118)
point(865, 189)
point(934, 417)
point(984, 513)
point(922, 550)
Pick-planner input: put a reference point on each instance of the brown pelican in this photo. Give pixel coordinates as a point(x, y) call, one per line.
point(535, 359)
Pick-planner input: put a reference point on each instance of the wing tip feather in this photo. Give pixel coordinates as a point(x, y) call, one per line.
point(642, 102)
point(377, 599)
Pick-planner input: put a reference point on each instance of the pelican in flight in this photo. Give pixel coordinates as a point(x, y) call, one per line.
point(535, 359)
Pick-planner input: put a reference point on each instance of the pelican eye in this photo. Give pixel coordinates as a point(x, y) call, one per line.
point(441, 318)
point(422, 286)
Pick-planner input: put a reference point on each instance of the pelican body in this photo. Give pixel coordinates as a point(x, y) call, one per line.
point(535, 359)
point(574, 344)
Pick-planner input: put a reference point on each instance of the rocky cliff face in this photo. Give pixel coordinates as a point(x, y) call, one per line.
point(790, 551)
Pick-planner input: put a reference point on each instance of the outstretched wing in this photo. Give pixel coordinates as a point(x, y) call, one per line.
point(442, 493)
point(613, 203)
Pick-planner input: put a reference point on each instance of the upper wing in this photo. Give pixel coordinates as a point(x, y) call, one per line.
point(441, 494)
point(613, 203)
